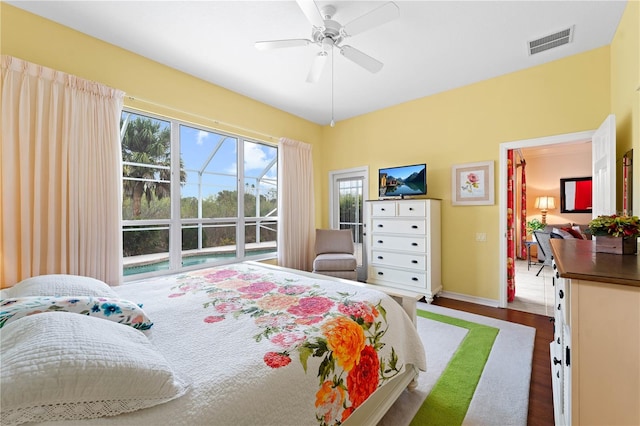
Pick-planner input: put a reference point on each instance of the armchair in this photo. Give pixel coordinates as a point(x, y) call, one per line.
point(334, 253)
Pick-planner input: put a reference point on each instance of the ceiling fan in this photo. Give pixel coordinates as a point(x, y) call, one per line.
point(327, 34)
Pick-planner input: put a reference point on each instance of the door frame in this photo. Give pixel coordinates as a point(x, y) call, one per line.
point(502, 191)
point(355, 172)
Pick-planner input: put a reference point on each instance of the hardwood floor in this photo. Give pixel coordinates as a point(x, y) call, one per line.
point(540, 393)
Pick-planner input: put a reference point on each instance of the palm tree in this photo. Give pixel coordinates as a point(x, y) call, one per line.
point(146, 143)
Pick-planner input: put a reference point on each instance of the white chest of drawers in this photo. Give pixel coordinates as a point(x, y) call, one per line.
point(403, 245)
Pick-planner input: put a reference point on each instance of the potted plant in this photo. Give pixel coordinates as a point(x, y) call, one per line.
point(534, 225)
point(616, 234)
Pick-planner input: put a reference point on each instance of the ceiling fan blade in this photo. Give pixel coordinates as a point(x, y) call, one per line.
point(317, 67)
point(385, 13)
point(362, 59)
point(312, 13)
point(277, 44)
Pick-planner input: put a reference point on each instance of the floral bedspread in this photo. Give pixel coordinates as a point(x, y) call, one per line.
point(263, 346)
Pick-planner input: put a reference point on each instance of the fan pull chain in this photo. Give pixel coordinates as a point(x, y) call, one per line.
point(333, 123)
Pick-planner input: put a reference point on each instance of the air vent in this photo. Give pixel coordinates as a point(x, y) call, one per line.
point(551, 41)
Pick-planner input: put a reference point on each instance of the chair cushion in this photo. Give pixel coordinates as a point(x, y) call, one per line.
point(335, 262)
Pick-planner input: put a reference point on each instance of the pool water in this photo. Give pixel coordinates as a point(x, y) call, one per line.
point(186, 261)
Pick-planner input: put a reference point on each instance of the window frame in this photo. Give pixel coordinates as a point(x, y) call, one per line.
point(176, 223)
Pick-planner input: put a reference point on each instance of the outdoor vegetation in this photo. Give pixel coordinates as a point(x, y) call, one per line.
point(146, 152)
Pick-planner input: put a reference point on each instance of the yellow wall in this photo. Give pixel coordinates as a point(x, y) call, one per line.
point(44, 42)
point(467, 125)
point(462, 125)
point(625, 91)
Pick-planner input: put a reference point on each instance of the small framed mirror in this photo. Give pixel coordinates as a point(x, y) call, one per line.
point(575, 195)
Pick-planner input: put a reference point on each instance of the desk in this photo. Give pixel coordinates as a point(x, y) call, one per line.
point(529, 244)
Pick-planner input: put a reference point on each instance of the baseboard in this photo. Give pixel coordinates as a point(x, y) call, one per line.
point(471, 299)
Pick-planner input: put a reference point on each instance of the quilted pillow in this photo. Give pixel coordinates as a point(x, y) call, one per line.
point(62, 366)
point(117, 310)
point(60, 285)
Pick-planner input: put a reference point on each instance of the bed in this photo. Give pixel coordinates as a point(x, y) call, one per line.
point(241, 344)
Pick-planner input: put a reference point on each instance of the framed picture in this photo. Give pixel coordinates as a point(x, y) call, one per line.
point(472, 184)
point(575, 195)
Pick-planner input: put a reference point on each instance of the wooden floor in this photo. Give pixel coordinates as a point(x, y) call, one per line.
point(540, 393)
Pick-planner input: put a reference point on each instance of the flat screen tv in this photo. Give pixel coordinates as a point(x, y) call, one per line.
point(403, 181)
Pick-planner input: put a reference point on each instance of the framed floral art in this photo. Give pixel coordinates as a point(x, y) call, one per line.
point(472, 184)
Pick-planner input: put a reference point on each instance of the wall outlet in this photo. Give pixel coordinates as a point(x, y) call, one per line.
point(481, 236)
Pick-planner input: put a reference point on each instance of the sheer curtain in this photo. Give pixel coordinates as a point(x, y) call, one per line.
point(296, 218)
point(61, 175)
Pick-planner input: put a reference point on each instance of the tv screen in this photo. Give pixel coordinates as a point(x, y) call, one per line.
point(403, 181)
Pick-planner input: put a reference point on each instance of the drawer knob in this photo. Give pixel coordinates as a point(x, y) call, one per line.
point(414, 244)
point(414, 262)
point(382, 209)
point(559, 306)
point(380, 273)
point(380, 257)
point(380, 241)
point(560, 294)
point(414, 226)
point(558, 340)
point(414, 279)
point(410, 209)
point(380, 225)
point(558, 374)
point(556, 361)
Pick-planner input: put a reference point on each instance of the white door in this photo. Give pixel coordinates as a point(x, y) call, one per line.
point(347, 195)
point(603, 149)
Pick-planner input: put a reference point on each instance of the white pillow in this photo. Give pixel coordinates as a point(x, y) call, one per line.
point(60, 285)
point(64, 366)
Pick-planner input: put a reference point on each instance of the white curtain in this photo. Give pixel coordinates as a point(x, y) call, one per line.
point(61, 175)
point(296, 217)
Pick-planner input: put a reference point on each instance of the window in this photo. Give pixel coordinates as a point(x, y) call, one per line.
point(205, 216)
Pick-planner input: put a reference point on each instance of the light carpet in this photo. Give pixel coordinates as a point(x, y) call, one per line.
point(502, 393)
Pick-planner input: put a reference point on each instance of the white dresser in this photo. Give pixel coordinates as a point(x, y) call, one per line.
point(403, 245)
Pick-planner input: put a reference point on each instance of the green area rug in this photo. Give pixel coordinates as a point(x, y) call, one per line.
point(449, 400)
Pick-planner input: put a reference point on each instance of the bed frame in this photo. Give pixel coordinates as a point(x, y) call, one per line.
point(376, 406)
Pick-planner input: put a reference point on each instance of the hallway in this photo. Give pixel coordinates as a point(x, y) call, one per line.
point(533, 294)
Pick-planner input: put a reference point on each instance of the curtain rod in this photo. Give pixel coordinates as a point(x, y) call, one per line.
point(213, 120)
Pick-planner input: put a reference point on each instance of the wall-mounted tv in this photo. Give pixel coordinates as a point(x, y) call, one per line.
point(403, 181)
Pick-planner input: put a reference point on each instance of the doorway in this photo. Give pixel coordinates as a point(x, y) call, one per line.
point(346, 208)
point(537, 289)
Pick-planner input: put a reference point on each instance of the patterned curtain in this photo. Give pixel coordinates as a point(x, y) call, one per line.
point(511, 248)
point(523, 210)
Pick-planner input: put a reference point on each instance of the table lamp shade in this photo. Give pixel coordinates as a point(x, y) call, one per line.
point(545, 203)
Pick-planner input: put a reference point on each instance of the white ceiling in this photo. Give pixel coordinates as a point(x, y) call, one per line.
point(432, 47)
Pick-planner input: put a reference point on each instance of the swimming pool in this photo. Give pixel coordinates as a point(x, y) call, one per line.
point(186, 261)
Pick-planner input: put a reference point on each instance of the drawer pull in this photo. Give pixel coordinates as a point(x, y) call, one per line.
point(558, 374)
point(414, 226)
point(560, 294)
point(380, 273)
point(414, 279)
point(380, 241)
point(380, 257)
point(414, 244)
point(558, 340)
point(414, 262)
point(382, 209)
point(559, 306)
point(380, 225)
point(556, 361)
point(410, 209)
